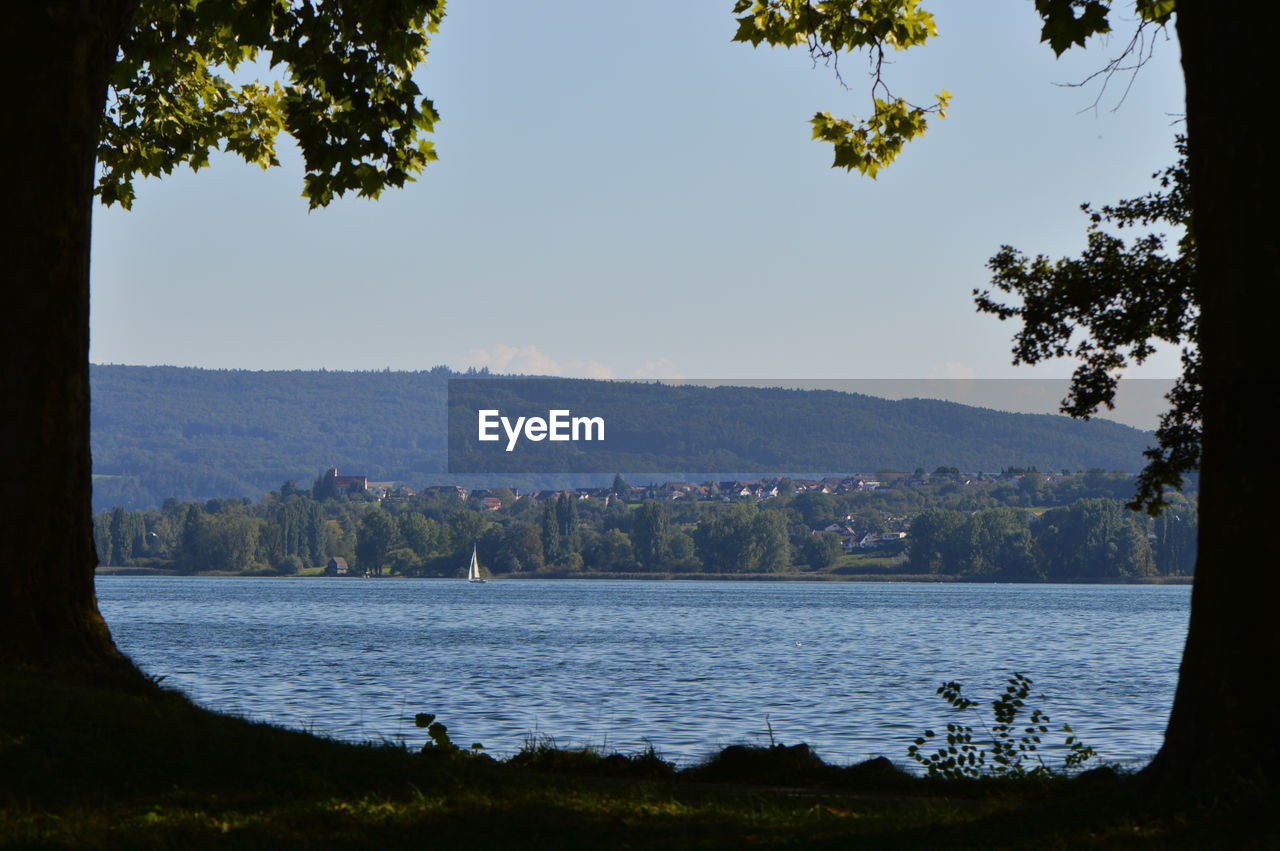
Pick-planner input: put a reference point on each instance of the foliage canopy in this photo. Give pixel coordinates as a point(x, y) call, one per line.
point(1109, 308)
point(349, 98)
point(828, 29)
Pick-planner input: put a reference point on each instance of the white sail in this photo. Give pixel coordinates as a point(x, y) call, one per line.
point(473, 570)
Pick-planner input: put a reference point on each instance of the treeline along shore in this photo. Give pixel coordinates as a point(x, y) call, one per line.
point(1018, 525)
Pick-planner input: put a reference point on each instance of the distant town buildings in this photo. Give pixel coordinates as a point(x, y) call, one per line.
point(336, 484)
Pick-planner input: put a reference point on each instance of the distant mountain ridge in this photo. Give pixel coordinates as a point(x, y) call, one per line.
point(189, 433)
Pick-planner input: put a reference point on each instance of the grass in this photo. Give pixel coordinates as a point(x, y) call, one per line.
point(101, 766)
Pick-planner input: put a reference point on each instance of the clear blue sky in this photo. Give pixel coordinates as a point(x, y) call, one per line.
point(622, 191)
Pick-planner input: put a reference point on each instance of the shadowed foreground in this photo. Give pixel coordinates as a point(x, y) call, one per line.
point(100, 766)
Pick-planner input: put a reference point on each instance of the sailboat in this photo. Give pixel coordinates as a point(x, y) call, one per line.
point(473, 570)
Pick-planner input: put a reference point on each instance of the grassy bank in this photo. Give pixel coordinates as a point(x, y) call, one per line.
point(99, 766)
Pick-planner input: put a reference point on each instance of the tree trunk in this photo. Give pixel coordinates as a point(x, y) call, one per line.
point(57, 55)
point(1223, 726)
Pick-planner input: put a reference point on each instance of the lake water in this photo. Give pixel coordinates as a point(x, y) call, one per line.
point(850, 668)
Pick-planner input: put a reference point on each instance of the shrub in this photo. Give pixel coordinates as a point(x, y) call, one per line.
point(1008, 747)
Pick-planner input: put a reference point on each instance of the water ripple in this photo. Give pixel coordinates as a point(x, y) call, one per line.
point(686, 666)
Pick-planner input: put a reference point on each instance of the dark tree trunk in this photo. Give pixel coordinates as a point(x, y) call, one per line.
point(56, 56)
point(1225, 716)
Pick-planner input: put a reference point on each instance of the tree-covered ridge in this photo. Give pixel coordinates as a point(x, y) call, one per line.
point(1020, 525)
point(199, 434)
point(196, 434)
point(688, 427)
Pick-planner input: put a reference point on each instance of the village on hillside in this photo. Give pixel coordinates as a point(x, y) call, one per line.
point(852, 537)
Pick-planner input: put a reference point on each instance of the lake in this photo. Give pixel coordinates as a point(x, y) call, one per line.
point(850, 668)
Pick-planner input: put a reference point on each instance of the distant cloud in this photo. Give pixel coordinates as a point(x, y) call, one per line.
point(951, 369)
point(587, 369)
point(661, 368)
point(528, 360)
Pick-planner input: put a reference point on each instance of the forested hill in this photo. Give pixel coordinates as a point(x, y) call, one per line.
point(160, 431)
point(196, 434)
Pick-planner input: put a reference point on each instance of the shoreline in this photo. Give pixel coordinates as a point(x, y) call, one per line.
point(108, 570)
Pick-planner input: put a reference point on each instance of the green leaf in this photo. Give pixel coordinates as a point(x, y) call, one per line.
point(1156, 11)
point(1063, 28)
